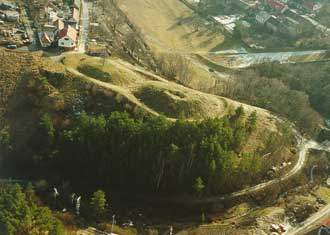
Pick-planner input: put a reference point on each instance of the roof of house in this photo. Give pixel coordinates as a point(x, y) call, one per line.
point(312, 5)
point(68, 32)
point(277, 5)
point(59, 24)
point(77, 3)
point(75, 14)
point(46, 38)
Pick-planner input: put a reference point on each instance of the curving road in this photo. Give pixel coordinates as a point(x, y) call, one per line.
point(310, 224)
point(304, 146)
point(324, 213)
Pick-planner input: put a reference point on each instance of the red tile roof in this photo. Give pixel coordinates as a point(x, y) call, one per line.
point(68, 31)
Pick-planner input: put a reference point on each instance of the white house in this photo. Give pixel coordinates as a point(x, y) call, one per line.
point(67, 38)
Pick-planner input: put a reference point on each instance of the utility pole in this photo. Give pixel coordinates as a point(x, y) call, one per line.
point(78, 205)
point(55, 194)
point(113, 221)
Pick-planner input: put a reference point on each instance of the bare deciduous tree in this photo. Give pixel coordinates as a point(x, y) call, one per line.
point(116, 19)
point(175, 66)
point(131, 43)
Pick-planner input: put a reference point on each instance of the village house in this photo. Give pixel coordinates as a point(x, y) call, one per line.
point(262, 17)
point(74, 20)
point(67, 38)
point(312, 6)
point(46, 39)
point(52, 15)
point(59, 24)
point(277, 6)
point(248, 4)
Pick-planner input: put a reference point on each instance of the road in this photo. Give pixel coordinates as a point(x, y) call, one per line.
point(304, 146)
point(84, 27)
point(324, 213)
point(31, 34)
point(243, 60)
point(311, 222)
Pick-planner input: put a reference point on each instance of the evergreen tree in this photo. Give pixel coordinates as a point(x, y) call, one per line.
point(98, 203)
point(19, 216)
point(199, 185)
point(251, 124)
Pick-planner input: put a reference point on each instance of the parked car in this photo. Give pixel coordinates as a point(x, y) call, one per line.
point(11, 46)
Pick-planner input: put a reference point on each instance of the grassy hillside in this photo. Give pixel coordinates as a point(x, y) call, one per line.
point(42, 106)
point(169, 24)
point(48, 87)
point(142, 91)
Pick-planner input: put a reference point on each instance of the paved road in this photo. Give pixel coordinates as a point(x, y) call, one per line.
point(242, 60)
point(84, 26)
point(319, 216)
point(304, 146)
point(311, 222)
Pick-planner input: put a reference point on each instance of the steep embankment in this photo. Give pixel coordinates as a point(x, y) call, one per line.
point(169, 26)
point(16, 69)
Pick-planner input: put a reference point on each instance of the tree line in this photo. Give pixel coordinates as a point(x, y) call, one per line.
point(19, 214)
point(149, 155)
point(297, 92)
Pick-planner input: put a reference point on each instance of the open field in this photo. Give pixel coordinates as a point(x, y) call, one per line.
point(168, 24)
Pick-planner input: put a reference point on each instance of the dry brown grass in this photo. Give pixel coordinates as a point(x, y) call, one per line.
point(15, 66)
point(159, 23)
